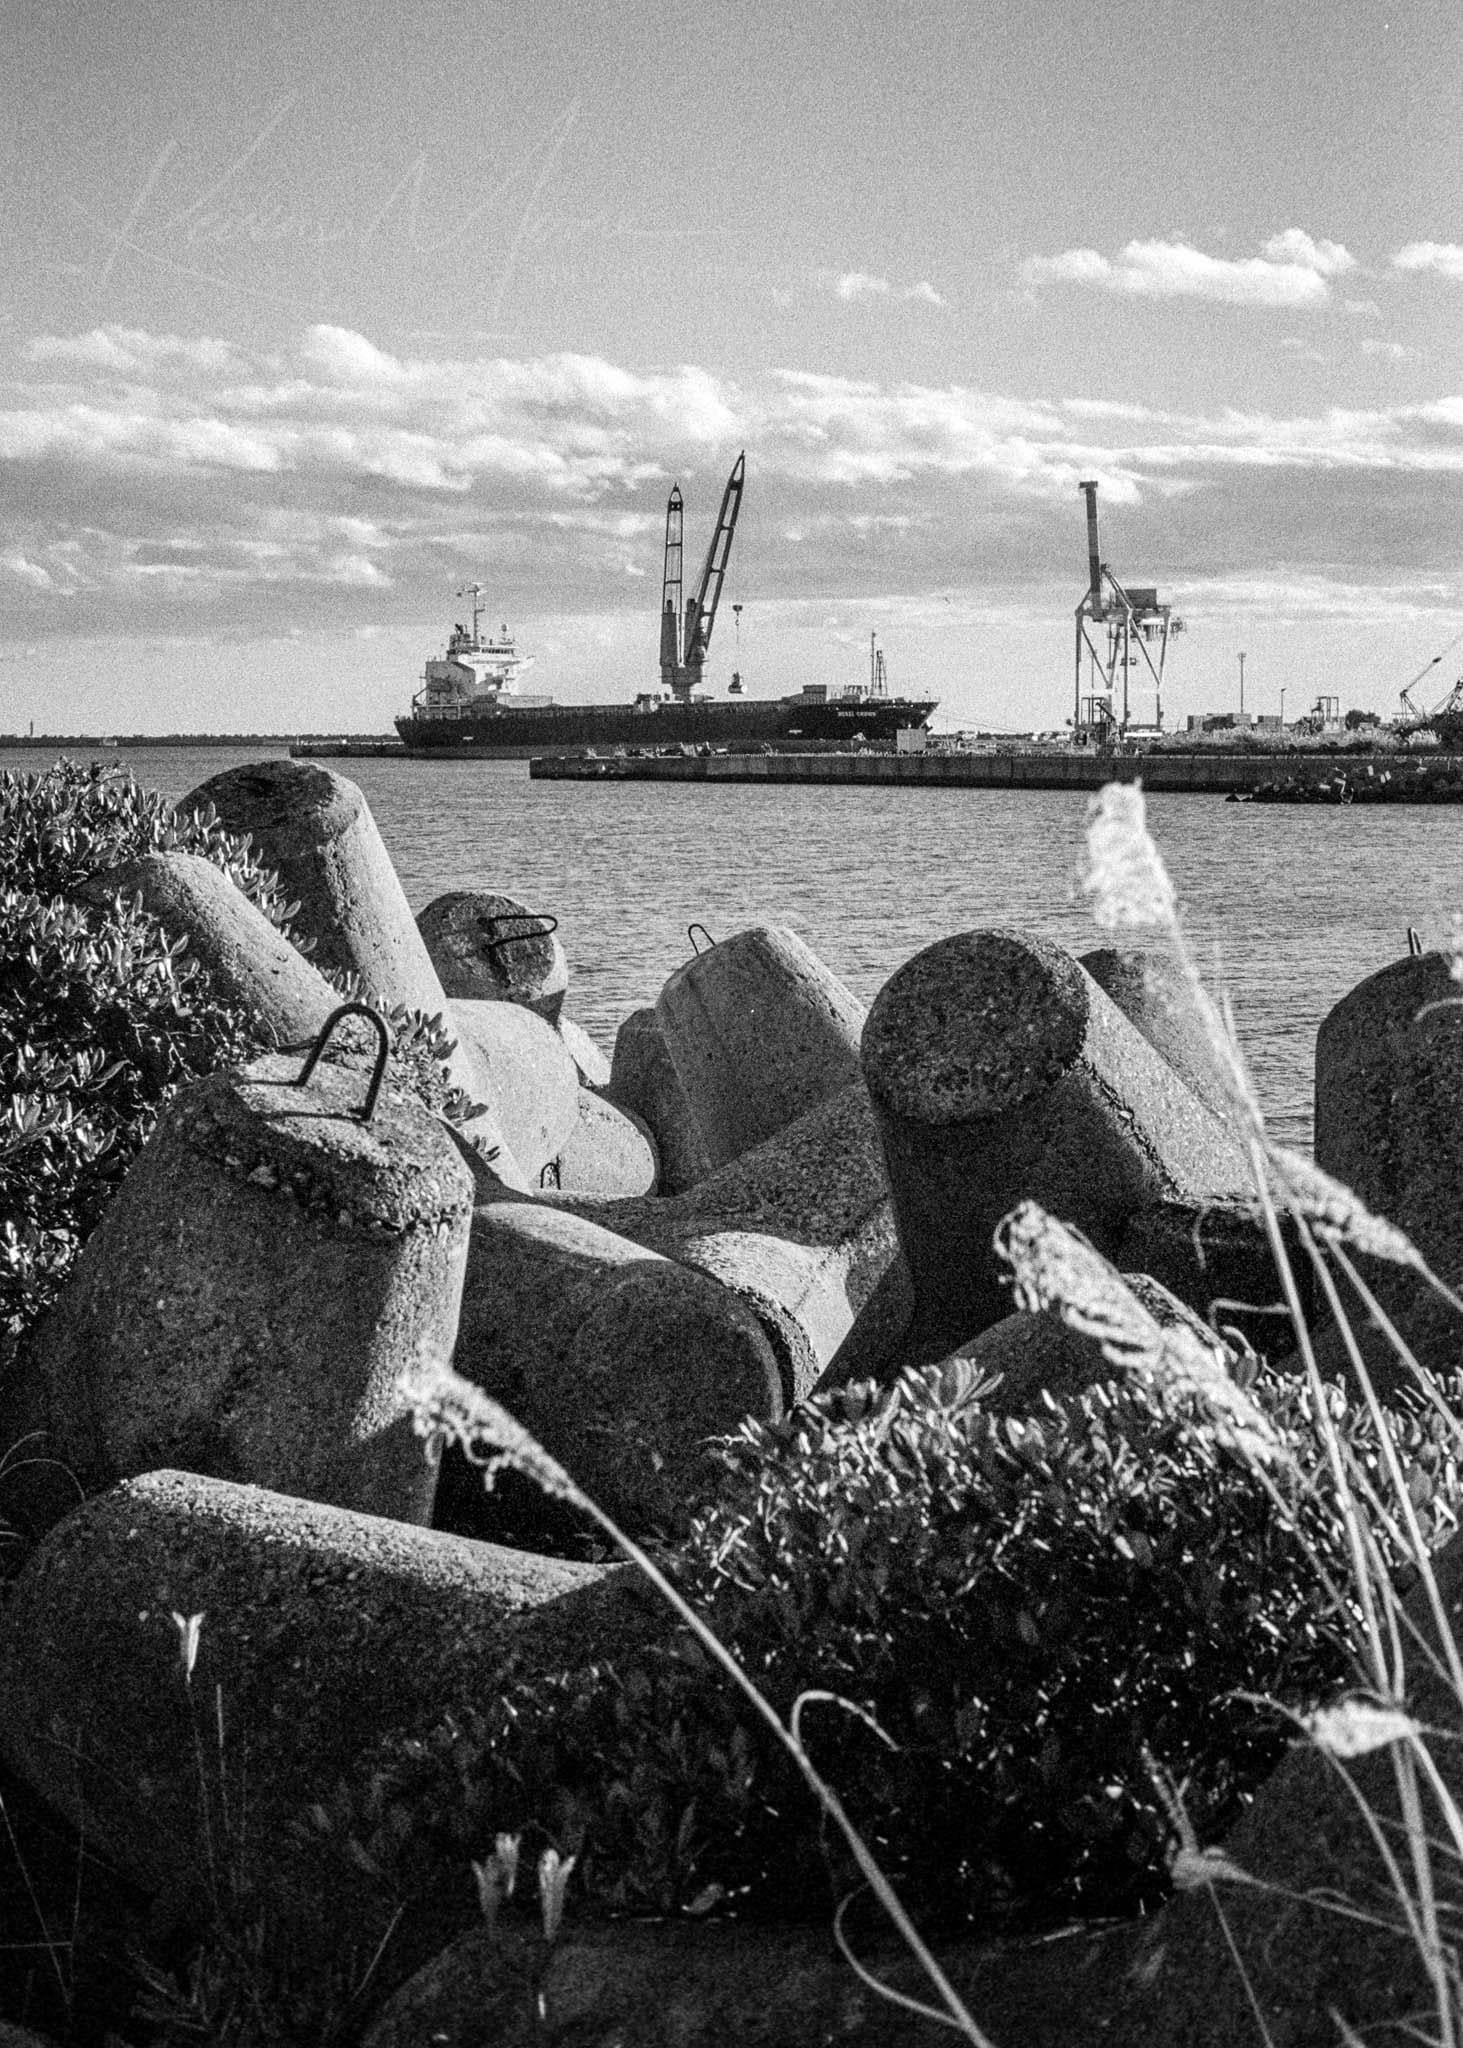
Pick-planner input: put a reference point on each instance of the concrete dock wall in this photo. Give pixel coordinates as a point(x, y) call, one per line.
point(1214, 774)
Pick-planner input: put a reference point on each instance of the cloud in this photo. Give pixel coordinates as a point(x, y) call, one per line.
point(1294, 245)
point(1390, 351)
point(1292, 270)
point(854, 285)
point(1445, 259)
point(275, 488)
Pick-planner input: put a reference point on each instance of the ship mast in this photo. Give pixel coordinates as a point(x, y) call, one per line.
point(475, 592)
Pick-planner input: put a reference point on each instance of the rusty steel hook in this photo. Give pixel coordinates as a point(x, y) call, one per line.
point(539, 917)
point(691, 931)
point(368, 1108)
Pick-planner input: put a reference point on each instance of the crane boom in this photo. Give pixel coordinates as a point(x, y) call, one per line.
point(701, 609)
point(686, 637)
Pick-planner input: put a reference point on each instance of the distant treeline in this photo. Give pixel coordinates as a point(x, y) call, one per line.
point(178, 739)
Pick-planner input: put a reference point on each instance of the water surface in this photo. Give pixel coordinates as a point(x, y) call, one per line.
point(1287, 906)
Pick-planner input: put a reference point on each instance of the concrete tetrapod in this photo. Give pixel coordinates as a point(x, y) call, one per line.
point(316, 831)
point(1216, 1256)
point(801, 1229)
point(1389, 1079)
point(489, 948)
point(1152, 990)
point(528, 1074)
point(593, 1065)
point(1318, 1944)
point(619, 1360)
point(644, 1081)
point(1040, 1354)
point(267, 1270)
point(610, 1153)
point(999, 1071)
point(324, 1630)
point(760, 1031)
point(249, 959)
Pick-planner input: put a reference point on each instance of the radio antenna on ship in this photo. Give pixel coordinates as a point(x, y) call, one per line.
point(1136, 629)
point(475, 592)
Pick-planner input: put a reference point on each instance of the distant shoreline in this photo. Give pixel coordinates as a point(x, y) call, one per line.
point(118, 740)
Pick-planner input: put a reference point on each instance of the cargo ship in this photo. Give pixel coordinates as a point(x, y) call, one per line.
point(470, 703)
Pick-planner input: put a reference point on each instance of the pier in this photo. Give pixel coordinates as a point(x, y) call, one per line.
point(1174, 770)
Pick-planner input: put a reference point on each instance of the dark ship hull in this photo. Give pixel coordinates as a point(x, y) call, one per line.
point(792, 724)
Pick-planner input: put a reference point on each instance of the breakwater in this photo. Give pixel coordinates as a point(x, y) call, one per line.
point(223, 1372)
point(1177, 772)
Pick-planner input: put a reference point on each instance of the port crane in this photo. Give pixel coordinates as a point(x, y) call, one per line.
point(1446, 718)
point(1135, 628)
point(685, 635)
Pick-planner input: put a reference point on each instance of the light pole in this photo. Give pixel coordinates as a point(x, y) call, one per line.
point(1282, 707)
point(1242, 685)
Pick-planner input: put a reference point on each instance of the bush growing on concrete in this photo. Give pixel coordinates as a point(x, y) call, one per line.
point(99, 1016)
point(1035, 1615)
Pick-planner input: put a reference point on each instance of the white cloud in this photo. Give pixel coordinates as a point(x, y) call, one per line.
point(853, 285)
point(1292, 270)
point(1294, 245)
point(244, 485)
point(14, 563)
point(1390, 351)
point(1444, 258)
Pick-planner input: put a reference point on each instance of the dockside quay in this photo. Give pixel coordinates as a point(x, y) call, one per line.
point(1216, 773)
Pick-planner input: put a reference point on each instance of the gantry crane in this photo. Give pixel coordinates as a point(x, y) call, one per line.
point(686, 637)
point(1136, 627)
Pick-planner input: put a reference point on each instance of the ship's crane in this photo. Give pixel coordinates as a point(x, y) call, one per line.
point(1136, 629)
point(685, 637)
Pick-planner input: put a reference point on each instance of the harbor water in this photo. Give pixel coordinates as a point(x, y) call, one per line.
point(1287, 908)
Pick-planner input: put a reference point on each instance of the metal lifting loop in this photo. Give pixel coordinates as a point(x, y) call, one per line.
point(368, 1107)
point(539, 917)
point(1414, 941)
point(691, 931)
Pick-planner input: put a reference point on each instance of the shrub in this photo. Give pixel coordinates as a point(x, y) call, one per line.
point(1036, 1615)
point(101, 1018)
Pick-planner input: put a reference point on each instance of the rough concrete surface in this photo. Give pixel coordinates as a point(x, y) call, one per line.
point(686, 1984)
point(999, 1071)
point(321, 1631)
point(609, 1153)
point(1311, 1965)
point(643, 1080)
point(760, 1032)
point(250, 960)
point(1389, 1079)
point(266, 1271)
point(490, 948)
point(801, 1229)
point(620, 1361)
point(527, 1074)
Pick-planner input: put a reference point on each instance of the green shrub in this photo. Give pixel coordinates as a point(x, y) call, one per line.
point(1035, 1615)
point(101, 1018)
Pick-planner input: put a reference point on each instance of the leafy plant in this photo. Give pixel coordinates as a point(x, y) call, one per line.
point(1036, 1623)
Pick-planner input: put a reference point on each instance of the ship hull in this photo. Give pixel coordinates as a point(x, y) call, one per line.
point(781, 724)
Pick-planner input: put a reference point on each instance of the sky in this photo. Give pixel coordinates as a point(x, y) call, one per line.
point(312, 316)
